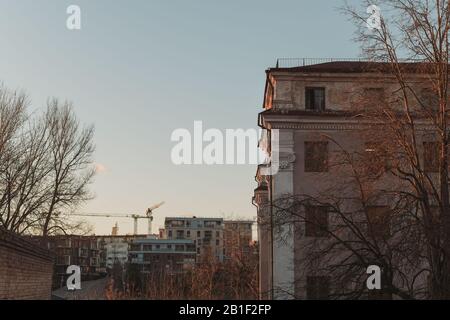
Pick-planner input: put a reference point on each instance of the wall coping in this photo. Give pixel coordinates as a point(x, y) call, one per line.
point(16, 242)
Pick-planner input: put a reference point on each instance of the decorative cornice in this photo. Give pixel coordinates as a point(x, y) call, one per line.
point(297, 123)
point(316, 126)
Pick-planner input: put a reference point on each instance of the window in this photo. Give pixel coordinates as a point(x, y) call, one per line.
point(180, 234)
point(135, 247)
point(317, 288)
point(199, 234)
point(217, 234)
point(378, 220)
point(431, 156)
point(188, 233)
point(315, 99)
point(217, 242)
point(316, 156)
point(316, 221)
point(430, 99)
point(170, 234)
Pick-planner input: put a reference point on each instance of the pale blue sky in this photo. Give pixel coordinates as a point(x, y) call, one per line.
point(139, 69)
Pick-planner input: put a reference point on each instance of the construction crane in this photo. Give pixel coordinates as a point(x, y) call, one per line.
point(103, 215)
point(148, 215)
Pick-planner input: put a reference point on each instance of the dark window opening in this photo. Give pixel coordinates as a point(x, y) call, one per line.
point(379, 221)
point(316, 156)
point(431, 156)
point(315, 99)
point(316, 221)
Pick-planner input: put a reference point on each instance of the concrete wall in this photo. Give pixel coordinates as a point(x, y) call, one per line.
point(25, 269)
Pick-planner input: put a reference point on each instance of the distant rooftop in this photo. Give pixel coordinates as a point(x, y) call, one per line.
point(194, 217)
point(163, 241)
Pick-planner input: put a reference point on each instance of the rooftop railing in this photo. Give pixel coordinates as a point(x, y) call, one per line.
point(303, 62)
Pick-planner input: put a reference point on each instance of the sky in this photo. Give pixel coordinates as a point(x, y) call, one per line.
point(140, 69)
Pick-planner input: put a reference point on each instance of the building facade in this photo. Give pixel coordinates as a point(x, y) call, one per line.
point(308, 105)
point(206, 233)
point(114, 249)
point(172, 256)
point(70, 250)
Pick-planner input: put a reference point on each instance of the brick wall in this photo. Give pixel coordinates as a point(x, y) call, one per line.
point(26, 269)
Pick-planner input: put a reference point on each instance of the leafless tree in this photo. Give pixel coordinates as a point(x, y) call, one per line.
point(406, 164)
point(71, 150)
point(45, 166)
point(418, 30)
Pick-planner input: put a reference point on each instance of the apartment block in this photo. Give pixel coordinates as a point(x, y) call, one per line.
point(172, 256)
point(114, 249)
point(206, 233)
point(82, 251)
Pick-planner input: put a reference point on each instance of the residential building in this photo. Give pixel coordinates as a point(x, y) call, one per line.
point(114, 248)
point(306, 103)
point(206, 233)
point(157, 255)
point(82, 251)
point(237, 238)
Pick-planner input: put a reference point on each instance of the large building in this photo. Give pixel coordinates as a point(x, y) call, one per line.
point(96, 255)
point(114, 249)
point(206, 234)
point(308, 105)
point(163, 255)
point(70, 250)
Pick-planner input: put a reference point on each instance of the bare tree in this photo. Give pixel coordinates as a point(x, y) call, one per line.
point(418, 30)
point(71, 150)
point(45, 166)
point(404, 164)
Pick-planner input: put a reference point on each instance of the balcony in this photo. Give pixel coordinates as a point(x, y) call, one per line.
point(83, 252)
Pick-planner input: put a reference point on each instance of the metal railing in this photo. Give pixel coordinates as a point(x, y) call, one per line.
point(303, 62)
